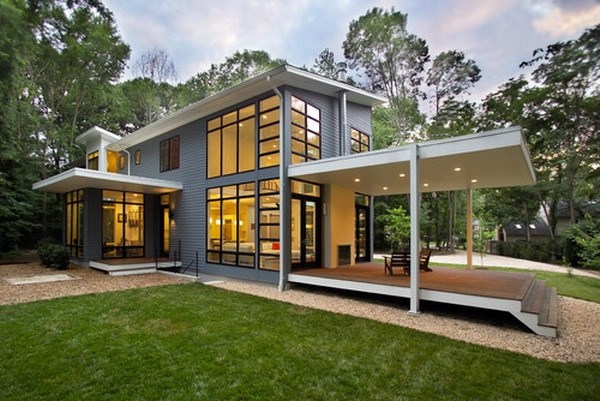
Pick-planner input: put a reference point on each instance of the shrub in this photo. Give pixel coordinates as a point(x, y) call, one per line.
point(53, 255)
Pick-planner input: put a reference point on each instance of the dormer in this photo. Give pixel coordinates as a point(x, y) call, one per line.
point(96, 140)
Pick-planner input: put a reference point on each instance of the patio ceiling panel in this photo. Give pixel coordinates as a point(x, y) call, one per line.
point(491, 159)
point(78, 178)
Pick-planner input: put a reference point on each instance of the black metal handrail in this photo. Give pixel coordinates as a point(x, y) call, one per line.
point(189, 264)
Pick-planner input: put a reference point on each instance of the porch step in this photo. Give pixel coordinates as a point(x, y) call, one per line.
point(542, 301)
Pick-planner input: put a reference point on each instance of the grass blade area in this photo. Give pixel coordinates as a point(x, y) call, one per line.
point(187, 342)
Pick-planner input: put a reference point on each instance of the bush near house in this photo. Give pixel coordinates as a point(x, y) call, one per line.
point(53, 255)
point(546, 251)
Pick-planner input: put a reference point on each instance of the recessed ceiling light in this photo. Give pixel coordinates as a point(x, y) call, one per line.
point(385, 188)
point(457, 169)
point(473, 180)
point(357, 180)
point(402, 175)
point(426, 185)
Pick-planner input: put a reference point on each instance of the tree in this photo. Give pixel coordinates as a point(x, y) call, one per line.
point(393, 61)
point(396, 223)
point(325, 64)
point(156, 65)
point(234, 70)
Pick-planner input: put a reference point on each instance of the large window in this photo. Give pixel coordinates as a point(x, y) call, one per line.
point(269, 132)
point(269, 246)
point(74, 223)
point(169, 154)
point(359, 140)
point(122, 224)
point(231, 142)
point(306, 131)
point(231, 225)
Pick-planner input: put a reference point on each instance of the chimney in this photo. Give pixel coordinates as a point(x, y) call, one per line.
point(341, 70)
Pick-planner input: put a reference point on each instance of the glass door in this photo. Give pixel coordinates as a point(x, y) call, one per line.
point(362, 234)
point(305, 233)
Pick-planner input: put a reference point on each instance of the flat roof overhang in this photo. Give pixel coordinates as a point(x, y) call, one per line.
point(78, 178)
point(491, 159)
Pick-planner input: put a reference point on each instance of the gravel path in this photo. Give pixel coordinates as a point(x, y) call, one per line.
point(579, 321)
point(88, 281)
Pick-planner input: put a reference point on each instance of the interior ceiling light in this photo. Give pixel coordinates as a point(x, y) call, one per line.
point(474, 180)
point(402, 175)
point(426, 185)
point(457, 169)
point(385, 188)
point(357, 180)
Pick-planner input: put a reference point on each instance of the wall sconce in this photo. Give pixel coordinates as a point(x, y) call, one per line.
point(171, 214)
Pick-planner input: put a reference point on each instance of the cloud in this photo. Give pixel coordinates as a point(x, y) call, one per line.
point(567, 19)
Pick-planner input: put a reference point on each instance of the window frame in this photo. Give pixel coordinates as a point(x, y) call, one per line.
point(363, 142)
point(297, 156)
point(169, 156)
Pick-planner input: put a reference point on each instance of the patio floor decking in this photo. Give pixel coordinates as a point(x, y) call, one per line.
point(526, 298)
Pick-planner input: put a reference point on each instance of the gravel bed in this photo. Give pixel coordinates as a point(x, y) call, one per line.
point(89, 281)
point(578, 328)
point(578, 337)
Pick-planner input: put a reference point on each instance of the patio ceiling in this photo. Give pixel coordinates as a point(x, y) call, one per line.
point(490, 159)
point(78, 178)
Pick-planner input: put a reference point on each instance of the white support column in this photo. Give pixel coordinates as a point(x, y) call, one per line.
point(469, 229)
point(285, 192)
point(415, 234)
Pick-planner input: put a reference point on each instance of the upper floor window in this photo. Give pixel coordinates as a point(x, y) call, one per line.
point(359, 141)
point(269, 132)
point(306, 131)
point(93, 158)
point(138, 157)
point(231, 142)
point(169, 154)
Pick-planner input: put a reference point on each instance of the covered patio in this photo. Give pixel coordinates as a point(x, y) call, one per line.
point(490, 159)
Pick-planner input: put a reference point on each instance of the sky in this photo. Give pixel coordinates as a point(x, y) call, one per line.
point(497, 34)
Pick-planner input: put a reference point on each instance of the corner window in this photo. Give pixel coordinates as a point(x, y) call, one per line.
point(74, 223)
point(269, 132)
point(359, 141)
point(92, 161)
point(306, 131)
point(169, 154)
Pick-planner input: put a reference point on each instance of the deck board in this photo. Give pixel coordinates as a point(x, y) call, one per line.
point(495, 284)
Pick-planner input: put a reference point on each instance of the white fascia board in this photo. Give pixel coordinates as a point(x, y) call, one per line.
point(97, 131)
point(502, 138)
point(356, 161)
point(78, 178)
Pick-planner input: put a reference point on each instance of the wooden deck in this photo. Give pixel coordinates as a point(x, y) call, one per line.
point(528, 299)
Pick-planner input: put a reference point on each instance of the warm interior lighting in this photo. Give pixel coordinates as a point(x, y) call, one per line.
point(385, 188)
point(357, 180)
point(426, 185)
point(473, 180)
point(457, 169)
point(402, 175)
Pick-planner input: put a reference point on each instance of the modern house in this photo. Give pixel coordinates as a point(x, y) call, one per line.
point(270, 180)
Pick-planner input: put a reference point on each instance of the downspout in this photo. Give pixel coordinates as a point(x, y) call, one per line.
point(284, 204)
point(343, 106)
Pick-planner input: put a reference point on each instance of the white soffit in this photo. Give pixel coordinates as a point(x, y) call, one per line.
point(491, 159)
point(78, 178)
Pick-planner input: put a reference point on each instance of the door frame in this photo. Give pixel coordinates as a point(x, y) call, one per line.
point(367, 212)
point(161, 230)
point(303, 264)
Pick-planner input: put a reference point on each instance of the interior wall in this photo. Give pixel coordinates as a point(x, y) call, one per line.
point(339, 224)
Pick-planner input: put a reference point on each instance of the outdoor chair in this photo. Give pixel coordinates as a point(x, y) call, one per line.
point(402, 260)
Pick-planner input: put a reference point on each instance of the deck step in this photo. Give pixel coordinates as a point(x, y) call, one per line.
point(532, 303)
point(549, 313)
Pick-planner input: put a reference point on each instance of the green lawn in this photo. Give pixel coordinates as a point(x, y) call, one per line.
point(189, 342)
point(586, 288)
